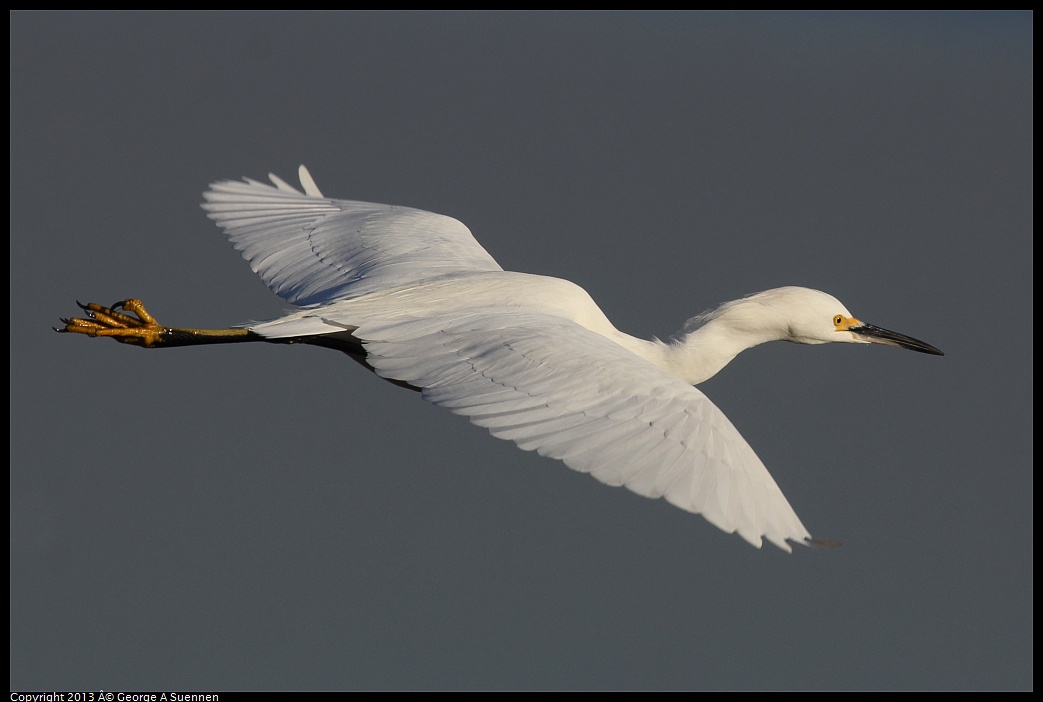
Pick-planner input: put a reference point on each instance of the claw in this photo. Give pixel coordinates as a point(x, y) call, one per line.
point(134, 326)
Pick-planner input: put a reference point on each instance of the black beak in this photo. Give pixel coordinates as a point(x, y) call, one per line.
point(876, 335)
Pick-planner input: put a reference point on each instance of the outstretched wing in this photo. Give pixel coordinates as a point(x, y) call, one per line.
point(557, 388)
point(312, 250)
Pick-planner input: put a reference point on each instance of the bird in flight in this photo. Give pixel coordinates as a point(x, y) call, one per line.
point(412, 296)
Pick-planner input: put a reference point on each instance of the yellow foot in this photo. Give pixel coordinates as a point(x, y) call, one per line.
point(136, 326)
point(133, 326)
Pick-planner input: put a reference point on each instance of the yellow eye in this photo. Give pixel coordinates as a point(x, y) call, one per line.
point(838, 320)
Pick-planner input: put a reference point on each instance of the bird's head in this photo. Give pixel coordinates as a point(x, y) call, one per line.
point(809, 316)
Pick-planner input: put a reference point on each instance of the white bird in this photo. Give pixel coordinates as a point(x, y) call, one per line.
point(414, 297)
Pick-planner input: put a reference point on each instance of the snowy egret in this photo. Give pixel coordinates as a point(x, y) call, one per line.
point(414, 297)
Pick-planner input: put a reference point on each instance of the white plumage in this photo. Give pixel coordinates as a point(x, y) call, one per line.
point(530, 358)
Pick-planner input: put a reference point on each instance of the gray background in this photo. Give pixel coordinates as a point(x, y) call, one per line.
point(275, 517)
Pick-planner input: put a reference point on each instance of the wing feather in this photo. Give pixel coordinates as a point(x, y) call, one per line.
point(566, 392)
point(311, 250)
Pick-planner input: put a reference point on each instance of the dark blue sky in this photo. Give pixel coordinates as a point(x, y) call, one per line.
point(277, 518)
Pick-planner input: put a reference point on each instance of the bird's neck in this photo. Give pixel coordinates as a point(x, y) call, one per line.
point(698, 355)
